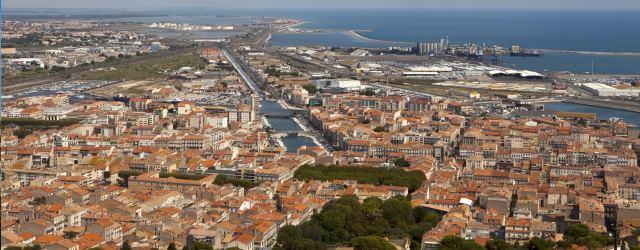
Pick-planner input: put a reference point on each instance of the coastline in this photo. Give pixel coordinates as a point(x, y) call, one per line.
point(355, 34)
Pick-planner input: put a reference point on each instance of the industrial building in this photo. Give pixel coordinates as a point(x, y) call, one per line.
point(606, 90)
point(333, 85)
point(526, 74)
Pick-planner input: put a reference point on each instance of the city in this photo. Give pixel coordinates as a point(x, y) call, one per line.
point(252, 130)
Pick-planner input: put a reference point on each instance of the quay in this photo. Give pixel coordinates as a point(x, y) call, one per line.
point(624, 106)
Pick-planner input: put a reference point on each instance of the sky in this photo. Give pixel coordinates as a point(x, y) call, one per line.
point(136, 5)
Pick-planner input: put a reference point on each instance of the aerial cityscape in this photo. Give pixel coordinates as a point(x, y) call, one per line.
point(284, 124)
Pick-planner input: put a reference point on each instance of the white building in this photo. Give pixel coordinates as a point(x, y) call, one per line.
point(57, 113)
point(337, 84)
point(606, 90)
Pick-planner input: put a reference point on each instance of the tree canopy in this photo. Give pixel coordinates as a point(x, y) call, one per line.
point(454, 242)
point(366, 175)
point(347, 221)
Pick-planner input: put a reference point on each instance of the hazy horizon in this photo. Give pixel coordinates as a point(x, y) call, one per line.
point(141, 5)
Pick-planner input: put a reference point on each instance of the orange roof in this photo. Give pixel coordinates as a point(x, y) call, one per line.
point(48, 239)
point(89, 240)
point(245, 238)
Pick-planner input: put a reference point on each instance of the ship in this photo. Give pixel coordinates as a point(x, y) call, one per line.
point(532, 53)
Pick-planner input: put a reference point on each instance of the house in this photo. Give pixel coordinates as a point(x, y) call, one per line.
point(543, 230)
point(10, 238)
point(107, 229)
point(209, 237)
point(517, 229)
point(73, 215)
point(243, 242)
point(63, 245)
point(38, 227)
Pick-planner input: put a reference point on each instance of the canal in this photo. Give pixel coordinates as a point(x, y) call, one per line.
point(282, 123)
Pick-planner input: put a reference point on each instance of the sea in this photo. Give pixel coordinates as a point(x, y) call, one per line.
point(593, 31)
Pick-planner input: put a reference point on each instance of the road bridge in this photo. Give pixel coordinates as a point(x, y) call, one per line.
point(280, 134)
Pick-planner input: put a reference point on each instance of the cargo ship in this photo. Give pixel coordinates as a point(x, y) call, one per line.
point(534, 53)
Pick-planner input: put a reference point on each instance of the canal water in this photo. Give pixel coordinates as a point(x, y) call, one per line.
point(292, 143)
point(601, 113)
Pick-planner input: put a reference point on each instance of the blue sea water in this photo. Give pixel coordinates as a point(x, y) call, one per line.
point(566, 30)
point(603, 31)
point(576, 63)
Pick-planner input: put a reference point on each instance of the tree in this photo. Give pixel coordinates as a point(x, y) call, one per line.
point(379, 129)
point(21, 133)
point(308, 244)
point(368, 92)
point(223, 180)
point(70, 235)
point(202, 246)
point(575, 231)
point(312, 89)
point(57, 68)
point(39, 200)
point(454, 242)
point(397, 210)
point(498, 245)
point(401, 162)
point(172, 246)
point(372, 243)
point(423, 214)
point(366, 175)
point(344, 220)
point(333, 220)
point(125, 246)
point(539, 244)
point(371, 206)
point(512, 205)
point(580, 234)
point(288, 236)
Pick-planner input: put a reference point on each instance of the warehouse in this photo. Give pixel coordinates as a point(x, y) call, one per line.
point(606, 90)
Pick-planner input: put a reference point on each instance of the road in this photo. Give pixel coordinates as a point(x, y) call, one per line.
point(241, 70)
